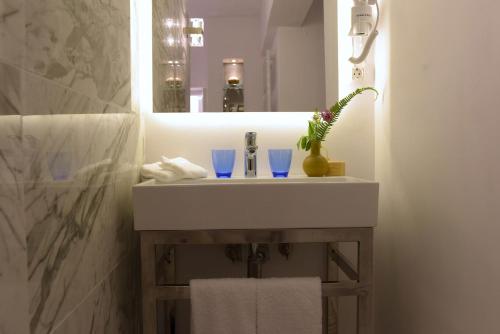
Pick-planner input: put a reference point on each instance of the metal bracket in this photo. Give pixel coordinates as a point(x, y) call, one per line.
point(193, 31)
point(344, 263)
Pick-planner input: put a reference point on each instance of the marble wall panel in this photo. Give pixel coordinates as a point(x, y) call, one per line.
point(13, 250)
point(13, 270)
point(10, 90)
point(12, 31)
point(82, 44)
point(48, 97)
point(79, 172)
point(69, 150)
point(110, 307)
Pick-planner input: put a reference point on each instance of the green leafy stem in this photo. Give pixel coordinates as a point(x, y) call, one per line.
point(321, 124)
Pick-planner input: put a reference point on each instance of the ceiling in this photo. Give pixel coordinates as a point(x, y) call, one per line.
point(223, 8)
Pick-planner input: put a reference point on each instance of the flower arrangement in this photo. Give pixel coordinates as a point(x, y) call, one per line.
point(322, 121)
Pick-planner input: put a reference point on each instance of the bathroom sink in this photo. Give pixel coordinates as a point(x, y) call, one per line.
point(255, 203)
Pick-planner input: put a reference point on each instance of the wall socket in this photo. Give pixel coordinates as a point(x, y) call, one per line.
point(358, 73)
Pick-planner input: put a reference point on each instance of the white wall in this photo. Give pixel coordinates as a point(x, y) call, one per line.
point(354, 135)
point(265, 15)
point(438, 161)
point(199, 67)
point(300, 63)
point(331, 46)
point(281, 13)
point(236, 37)
point(194, 135)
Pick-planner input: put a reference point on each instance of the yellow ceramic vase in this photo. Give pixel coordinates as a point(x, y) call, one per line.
point(315, 164)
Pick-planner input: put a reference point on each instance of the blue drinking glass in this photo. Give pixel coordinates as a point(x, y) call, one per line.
point(223, 162)
point(280, 161)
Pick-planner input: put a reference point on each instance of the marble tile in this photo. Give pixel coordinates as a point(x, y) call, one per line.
point(13, 253)
point(47, 97)
point(110, 308)
point(82, 44)
point(12, 31)
point(79, 172)
point(10, 90)
point(13, 273)
point(11, 175)
point(69, 149)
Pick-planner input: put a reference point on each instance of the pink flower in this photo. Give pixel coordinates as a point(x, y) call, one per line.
point(326, 115)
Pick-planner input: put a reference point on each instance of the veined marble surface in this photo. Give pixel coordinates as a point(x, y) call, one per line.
point(82, 44)
point(12, 31)
point(10, 90)
point(109, 308)
point(69, 150)
point(77, 203)
point(47, 97)
point(13, 271)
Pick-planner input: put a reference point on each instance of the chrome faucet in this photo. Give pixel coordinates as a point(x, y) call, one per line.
point(251, 154)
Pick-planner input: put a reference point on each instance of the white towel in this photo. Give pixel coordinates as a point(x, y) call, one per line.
point(183, 167)
point(223, 306)
point(289, 306)
point(154, 171)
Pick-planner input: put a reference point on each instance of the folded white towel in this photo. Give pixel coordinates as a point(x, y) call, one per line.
point(154, 171)
point(289, 306)
point(223, 306)
point(183, 167)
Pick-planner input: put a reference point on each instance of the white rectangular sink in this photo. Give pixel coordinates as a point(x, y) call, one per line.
point(256, 203)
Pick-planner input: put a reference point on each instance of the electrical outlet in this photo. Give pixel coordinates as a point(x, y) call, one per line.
point(358, 73)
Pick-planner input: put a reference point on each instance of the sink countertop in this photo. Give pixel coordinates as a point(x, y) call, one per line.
point(257, 180)
point(256, 203)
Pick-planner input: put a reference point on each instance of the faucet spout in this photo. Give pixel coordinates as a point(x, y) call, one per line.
point(251, 154)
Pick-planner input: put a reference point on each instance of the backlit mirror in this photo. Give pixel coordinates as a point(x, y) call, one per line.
point(243, 55)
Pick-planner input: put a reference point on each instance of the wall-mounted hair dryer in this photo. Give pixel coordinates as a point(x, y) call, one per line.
point(362, 26)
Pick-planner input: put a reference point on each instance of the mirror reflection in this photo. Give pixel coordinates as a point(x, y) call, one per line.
point(240, 55)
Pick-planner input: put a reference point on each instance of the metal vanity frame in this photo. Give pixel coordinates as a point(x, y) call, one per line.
point(158, 267)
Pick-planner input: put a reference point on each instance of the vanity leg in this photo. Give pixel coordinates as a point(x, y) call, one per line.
point(169, 276)
point(165, 275)
point(365, 270)
point(331, 308)
point(149, 318)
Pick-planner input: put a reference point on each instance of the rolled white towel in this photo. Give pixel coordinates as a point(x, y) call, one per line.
point(183, 167)
point(154, 171)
